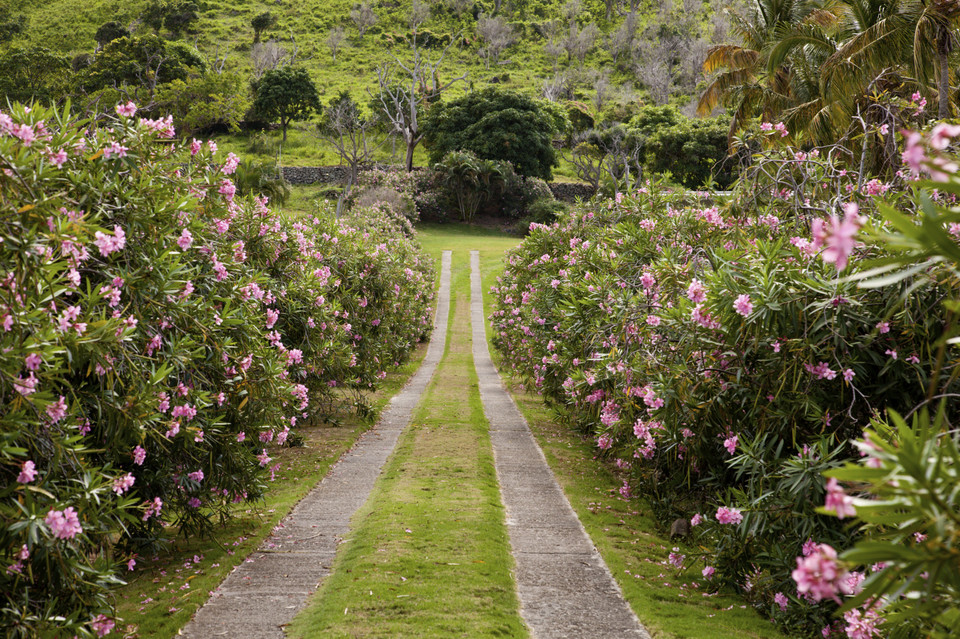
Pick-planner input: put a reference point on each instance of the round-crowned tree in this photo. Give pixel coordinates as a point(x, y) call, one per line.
point(495, 124)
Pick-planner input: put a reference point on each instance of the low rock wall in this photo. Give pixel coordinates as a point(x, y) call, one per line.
point(300, 175)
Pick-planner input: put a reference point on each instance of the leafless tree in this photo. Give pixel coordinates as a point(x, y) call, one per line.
point(580, 41)
point(601, 90)
point(623, 40)
point(267, 56)
point(354, 135)
point(334, 39)
point(419, 13)
point(552, 32)
point(364, 17)
point(655, 71)
point(407, 87)
point(556, 88)
point(497, 35)
point(572, 10)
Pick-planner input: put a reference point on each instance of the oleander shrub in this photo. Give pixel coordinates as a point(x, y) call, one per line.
point(159, 335)
point(724, 358)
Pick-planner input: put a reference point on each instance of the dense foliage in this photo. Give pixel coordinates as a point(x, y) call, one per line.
point(494, 124)
point(160, 334)
point(722, 362)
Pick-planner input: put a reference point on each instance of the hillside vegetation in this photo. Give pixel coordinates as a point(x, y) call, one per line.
point(617, 50)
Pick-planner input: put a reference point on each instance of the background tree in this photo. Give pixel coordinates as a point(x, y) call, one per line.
point(261, 23)
point(267, 56)
point(351, 132)
point(416, 86)
point(495, 124)
point(205, 102)
point(497, 35)
point(11, 24)
point(141, 61)
point(175, 15)
point(32, 73)
point(110, 31)
point(287, 95)
point(363, 17)
point(334, 40)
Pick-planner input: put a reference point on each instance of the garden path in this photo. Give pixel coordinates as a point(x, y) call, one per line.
point(565, 588)
point(265, 592)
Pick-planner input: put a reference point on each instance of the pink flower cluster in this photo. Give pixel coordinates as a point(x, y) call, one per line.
point(63, 524)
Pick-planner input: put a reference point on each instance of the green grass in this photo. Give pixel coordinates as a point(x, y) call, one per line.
point(429, 553)
point(165, 590)
point(671, 604)
point(224, 32)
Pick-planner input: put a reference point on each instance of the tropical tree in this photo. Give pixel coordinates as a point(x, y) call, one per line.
point(286, 94)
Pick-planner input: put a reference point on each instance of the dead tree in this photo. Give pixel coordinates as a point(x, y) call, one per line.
point(407, 87)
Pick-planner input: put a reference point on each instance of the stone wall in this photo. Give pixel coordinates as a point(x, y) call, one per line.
point(569, 192)
point(565, 191)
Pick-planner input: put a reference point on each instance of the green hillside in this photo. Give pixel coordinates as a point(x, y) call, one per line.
point(224, 30)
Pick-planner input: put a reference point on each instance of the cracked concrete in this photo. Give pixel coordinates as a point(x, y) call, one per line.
point(263, 594)
point(565, 588)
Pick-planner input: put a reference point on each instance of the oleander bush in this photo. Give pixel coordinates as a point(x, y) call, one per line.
point(725, 357)
point(158, 334)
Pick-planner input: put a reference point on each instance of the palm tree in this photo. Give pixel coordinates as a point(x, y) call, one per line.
point(747, 86)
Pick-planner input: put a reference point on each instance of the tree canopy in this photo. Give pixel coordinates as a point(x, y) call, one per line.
point(496, 124)
point(286, 94)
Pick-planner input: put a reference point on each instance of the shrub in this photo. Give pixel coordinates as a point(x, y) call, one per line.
point(159, 336)
point(495, 124)
point(720, 361)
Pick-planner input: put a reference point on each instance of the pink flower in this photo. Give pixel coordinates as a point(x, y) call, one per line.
point(837, 237)
point(185, 240)
point(64, 524)
point(676, 558)
point(941, 135)
point(781, 600)
point(195, 146)
point(272, 317)
point(227, 189)
point(123, 484)
point(848, 374)
point(914, 154)
point(729, 515)
point(821, 371)
point(730, 443)
point(241, 436)
point(862, 625)
point(57, 410)
point(604, 442)
point(110, 243)
point(892, 353)
point(742, 305)
point(766, 126)
point(883, 327)
point(196, 476)
point(708, 572)
point(26, 386)
point(127, 110)
point(696, 291)
point(230, 166)
point(838, 501)
point(153, 508)
point(781, 127)
point(818, 574)
point(102, 625)
point(263, 458)
point(131, 564)
point(33, 361)
point(28, 472)
point(696, 520)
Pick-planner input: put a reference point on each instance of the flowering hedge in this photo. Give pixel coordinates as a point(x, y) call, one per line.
point(722, 360)
point(158, 335)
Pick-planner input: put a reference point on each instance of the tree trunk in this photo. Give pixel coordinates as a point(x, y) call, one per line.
point(411, 145)
point(283, 125)
point(943, 86)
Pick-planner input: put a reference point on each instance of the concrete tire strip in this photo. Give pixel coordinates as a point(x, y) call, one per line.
point(264, 593)
point(565, 588)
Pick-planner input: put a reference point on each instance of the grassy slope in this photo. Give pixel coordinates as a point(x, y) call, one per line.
point(429, 551)
point(224, 29)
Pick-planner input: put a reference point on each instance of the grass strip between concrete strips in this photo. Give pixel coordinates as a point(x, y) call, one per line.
point(429, 554)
